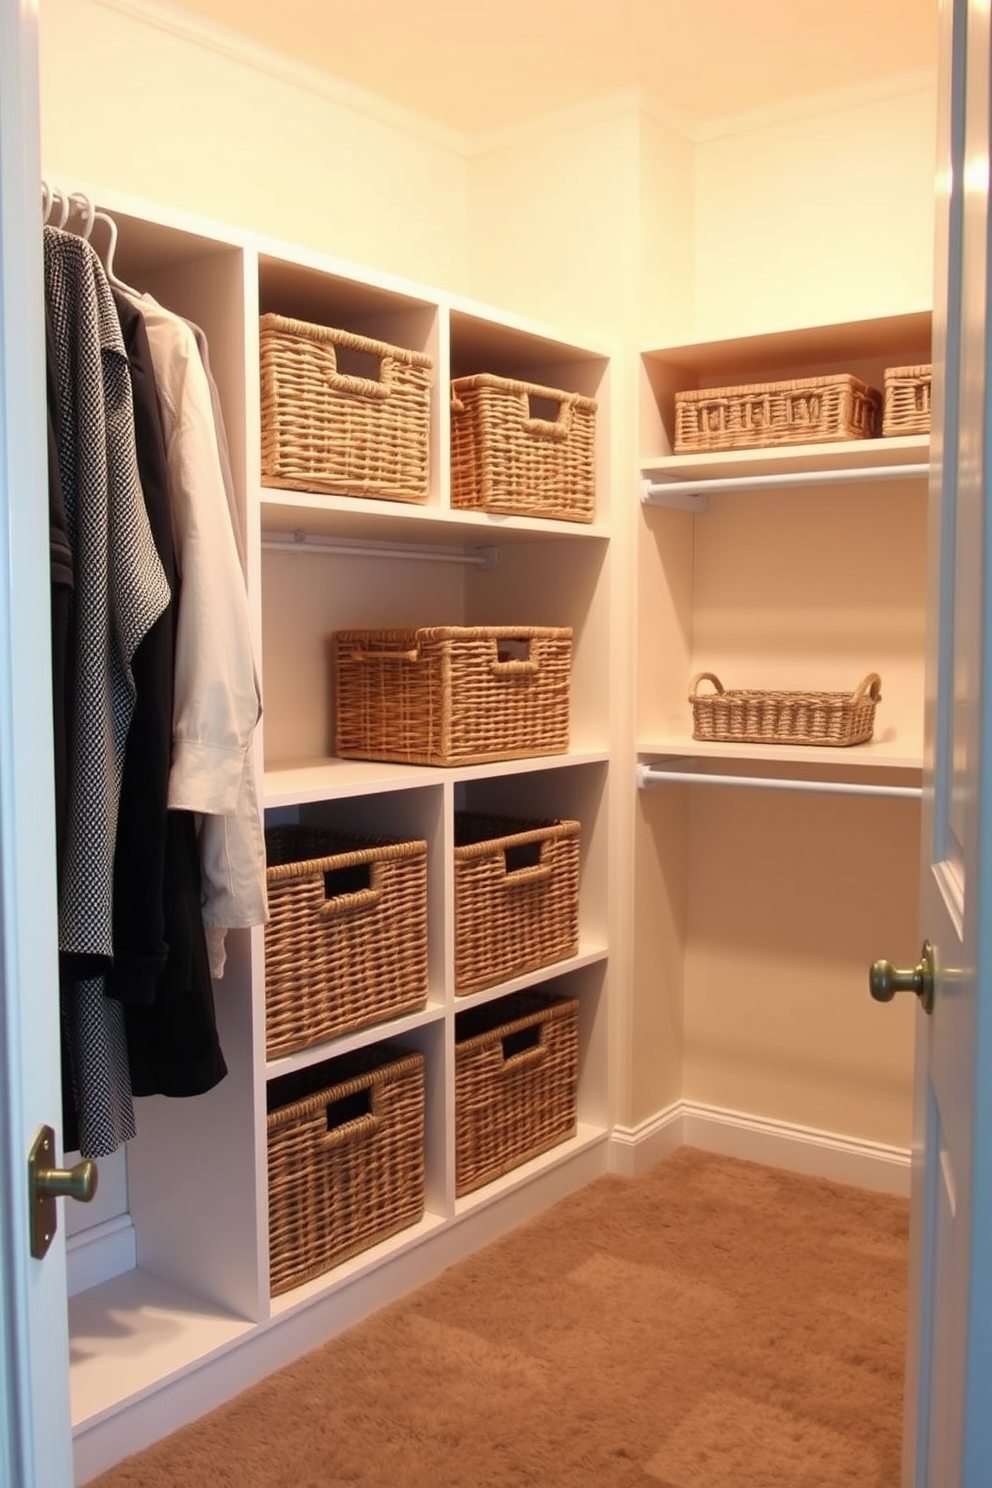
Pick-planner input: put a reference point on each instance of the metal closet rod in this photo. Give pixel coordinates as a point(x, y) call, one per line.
point(648, 775)
point(299, 542)
point(653, 493)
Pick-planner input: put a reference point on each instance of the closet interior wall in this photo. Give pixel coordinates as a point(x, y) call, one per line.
point(725, 935)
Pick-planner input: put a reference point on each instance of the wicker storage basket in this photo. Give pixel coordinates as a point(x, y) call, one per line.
point(516, 1078)
point(345, 1158)
point(504, 458)
point(448, 695)
point(753, 717)
point(516, 897)
point(907, 400)
point(814, 410)
point(346, 941)
point(327, 431)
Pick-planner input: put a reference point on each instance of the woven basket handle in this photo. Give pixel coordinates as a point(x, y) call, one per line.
point(704, 677)
point(517, 1059)
point(557, 428)
point(357, 655)
point(870, 687)
point(350, 903)
point(360, 1129)
point(378, 388)
point(515, 666)
point(536, 873)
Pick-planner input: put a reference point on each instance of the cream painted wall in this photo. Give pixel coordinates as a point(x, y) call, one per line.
point(667, 232)
point(790, 900)
point(147, 112)
point(554, 220)
point(816, 220)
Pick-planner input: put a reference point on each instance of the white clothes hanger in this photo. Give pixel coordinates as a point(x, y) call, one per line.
point(84, 206)
point(77, 201)
point(108, 257)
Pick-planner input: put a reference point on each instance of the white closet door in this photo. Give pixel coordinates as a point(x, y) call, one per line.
point(35, 1442)
point(948, 1427)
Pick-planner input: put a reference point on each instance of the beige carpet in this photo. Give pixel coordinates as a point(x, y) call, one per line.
point(713, 1324)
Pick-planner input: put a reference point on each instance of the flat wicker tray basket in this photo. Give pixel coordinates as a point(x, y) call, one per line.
point(753, 717)
point(333, 432)
point(345, 1159)
point(447, 695)
point(346, 941)
point(516, 1080)
point(907, 400)
point(511, 454)
point(760, 415)
point(516, 897)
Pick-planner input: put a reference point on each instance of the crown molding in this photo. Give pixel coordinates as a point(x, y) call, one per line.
point(811, 105)
point(224, 42)
point(648, 102)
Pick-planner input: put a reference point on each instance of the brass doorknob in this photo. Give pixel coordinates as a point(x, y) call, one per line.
point(885, 980)
point(47, 1183)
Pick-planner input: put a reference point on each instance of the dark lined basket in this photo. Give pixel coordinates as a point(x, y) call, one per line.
point(516, 897)
point(907, 400)
point(812, 410)
point(447, 695)
point(329, 431)
point(345, 1159)
point(754, 717)
point(516, 1083)
point(521, 448)
point(346, 941)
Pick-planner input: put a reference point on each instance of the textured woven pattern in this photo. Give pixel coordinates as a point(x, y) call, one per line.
point(907, 400)
point(516, 1079)
point(452, 695)
point(516, 897)
point(346, 942)
point(753, 717)
point(521, 448)
point(346, 1159)
point(328, 431)
point(815, 410)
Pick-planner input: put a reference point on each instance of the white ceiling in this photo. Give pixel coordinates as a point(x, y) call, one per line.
point(479, 65)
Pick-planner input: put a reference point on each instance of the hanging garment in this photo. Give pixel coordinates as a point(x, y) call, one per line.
point(160, 971)
point(120, 590)
point(217, 701)
point(223, 448)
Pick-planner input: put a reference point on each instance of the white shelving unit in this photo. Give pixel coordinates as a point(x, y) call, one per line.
point(196, 1312)
point(767, 874)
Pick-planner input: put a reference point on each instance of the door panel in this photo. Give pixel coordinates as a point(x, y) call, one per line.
point(948, 1440)
point(35, 1446)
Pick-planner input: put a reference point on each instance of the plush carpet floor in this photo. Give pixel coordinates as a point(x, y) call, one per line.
point(713, 1324)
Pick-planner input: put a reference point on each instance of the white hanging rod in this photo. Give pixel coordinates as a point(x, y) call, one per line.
point(299, 542)
point(684, 492)
point(652, 775)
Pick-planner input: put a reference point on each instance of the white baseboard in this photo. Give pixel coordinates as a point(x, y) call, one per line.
point(634, 1149)
point(100, 1252)
point(778, 1144)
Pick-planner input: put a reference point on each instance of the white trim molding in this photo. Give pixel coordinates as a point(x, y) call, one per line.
point(777, 1144)
point(100, 1252)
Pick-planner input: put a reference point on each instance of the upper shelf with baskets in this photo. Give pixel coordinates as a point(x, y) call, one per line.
point(423, 421)
point(810, 452)
point(842, 365)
